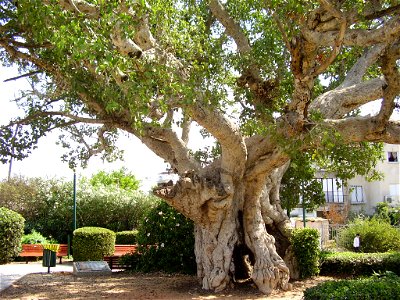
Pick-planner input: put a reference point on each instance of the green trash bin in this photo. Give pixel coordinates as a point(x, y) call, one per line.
point(49, 259)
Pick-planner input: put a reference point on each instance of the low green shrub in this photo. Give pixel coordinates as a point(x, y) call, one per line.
point(34, 238)
point(376, 235)
point(305, 243)
point(358, 264)
point(92, 243)
point(166, 242)
point(375, 287)
point(11, 231)
point(127, 237)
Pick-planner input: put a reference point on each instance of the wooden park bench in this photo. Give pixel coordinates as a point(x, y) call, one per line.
point(113, 260)
point(36, 250)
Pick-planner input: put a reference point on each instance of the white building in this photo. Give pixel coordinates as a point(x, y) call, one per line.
point(361, 195)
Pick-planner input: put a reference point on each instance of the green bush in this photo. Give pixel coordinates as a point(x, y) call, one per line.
point(11, 230)
point(391, 214)
point(376, 235)
point(359, 264)
point(47, 205)
point(92, 243)
point(375, 287)
point(34, 238)
point(166, 242)
point(305, 243)
point(127, 237)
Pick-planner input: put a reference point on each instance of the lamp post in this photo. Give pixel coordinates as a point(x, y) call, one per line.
point(74, 208)
point(73, 214)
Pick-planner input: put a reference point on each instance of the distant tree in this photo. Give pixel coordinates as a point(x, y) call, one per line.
point(121, 178)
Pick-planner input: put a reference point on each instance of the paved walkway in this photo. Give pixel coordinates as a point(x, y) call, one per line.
point(14, 271)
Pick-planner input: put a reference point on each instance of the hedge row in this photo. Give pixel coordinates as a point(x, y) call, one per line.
point(358, 264)
point(375, 287)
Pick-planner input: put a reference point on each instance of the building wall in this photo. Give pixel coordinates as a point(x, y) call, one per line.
point(377, 191)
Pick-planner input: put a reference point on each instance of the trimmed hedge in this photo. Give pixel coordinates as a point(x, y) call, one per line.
point(305, 243)
point(357, 264)
point(11, 231)
point(92, 243)
point(375, 287)
point(127, 237)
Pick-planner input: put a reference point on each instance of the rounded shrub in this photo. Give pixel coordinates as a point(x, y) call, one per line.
point(11, 231)
point(92, 243)
point(376, 235)
point(305, 243)
point(127, 237)
point(166, 241)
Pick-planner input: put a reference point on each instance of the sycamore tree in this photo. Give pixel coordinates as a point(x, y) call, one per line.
point(266, 79)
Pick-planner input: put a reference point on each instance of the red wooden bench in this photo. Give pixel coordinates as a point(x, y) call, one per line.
point(113, 260)
point(36, 250)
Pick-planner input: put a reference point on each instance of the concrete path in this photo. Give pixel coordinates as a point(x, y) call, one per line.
point(14, 271)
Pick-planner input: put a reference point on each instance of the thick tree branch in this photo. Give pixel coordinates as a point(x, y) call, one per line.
point(391, 91)
point(358, 70)
point(178, 154)
point(234, 30)
point(340, 101)
point(230, 138)
point(357, 37)
point(358, 129)
point(339, 40)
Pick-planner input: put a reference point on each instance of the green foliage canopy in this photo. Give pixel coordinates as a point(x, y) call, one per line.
point(90, 77)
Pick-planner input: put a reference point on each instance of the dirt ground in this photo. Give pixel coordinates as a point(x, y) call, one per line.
point(123, 285)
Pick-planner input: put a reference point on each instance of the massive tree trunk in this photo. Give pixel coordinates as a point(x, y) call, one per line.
point(239, 235)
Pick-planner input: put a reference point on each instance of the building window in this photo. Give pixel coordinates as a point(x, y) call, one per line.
point(357, 194)
point(333, 190)
point(393, 157)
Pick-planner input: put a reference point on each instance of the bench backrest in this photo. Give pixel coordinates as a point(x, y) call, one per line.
point(124, 249)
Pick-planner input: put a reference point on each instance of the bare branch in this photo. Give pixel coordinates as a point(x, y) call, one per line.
point(22, 76)
point(356, 73)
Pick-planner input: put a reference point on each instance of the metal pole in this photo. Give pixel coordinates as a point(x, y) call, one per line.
point(303, 205)
point(74, 215)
